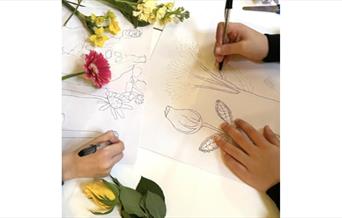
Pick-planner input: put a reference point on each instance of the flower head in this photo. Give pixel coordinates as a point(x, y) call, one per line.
point(144, 10)
point(97, 69)
point(102, 193)
point(184, 120)
point(99, 38)
point(113, 26)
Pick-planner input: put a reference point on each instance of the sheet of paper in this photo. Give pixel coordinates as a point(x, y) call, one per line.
point(187, 97)
point(87, 111)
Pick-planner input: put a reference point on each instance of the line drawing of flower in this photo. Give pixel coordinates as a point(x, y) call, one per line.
point(189, 121)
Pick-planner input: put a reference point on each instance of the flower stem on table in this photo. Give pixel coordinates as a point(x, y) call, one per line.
point(71, 75)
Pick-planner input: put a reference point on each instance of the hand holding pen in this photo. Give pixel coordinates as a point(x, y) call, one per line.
point(243, 41)
point(94, 159)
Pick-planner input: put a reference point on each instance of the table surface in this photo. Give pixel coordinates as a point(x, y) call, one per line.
point(189, 191)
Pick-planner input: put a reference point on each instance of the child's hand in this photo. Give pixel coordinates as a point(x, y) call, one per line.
point(256, 159)
point(243, 41)
point(98, 164)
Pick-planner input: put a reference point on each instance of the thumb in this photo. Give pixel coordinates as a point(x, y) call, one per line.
point(229, 49)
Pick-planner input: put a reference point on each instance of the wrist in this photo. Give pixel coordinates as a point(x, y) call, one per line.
point(68, 167)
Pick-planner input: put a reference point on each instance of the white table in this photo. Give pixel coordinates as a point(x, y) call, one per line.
point(189, 191)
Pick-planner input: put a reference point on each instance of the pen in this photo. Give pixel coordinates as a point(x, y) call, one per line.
point(93, 148)
point(229, 5)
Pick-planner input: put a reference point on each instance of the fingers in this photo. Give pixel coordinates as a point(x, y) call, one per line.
point(219, 33)
point(113, 149)
point(232, 150)
point(237, 168)
point(116, 159)
point(229, 49)
point(271, 136)
point(238, 138)
point(252, 133)
point(108, 136)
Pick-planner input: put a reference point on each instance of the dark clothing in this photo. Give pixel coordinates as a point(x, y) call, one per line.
point(273, 48)
point(274, 194)
point(273, 56)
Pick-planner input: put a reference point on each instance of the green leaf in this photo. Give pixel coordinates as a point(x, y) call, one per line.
point(124, 214)
point(130, 200)
point(155, 205)
point(145, 185)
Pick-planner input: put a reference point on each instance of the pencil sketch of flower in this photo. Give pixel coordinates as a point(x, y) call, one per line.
point(116, 103)
point(186, 121)
point(189, 121)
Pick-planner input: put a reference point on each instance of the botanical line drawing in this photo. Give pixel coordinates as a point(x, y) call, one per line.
point(218, 82)
point(189, 121)
point(117, 102)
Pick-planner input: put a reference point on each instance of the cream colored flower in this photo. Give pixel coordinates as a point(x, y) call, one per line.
point(145, 10)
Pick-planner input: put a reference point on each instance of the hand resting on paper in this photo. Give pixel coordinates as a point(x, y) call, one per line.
point(243, 41)
point(255, 158)
point(98, 164)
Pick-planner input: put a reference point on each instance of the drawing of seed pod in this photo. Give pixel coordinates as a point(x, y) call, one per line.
point(186, 121)
point(224, 112)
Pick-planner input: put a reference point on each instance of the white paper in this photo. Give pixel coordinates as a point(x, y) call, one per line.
point(87, 111)
point(185, 87)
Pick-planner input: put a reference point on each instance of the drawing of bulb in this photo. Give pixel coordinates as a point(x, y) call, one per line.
point(184, 120)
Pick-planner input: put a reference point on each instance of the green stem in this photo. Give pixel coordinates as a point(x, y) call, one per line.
point(80, 16)
point(71, 75)
point(75, 10)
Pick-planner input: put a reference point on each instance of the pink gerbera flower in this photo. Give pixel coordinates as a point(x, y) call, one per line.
point(97, 69)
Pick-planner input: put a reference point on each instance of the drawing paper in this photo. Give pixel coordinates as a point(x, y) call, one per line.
point(87, 111)
point(185, 88)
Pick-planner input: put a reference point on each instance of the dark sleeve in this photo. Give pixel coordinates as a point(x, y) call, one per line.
point(273, 48)
point(274, 194)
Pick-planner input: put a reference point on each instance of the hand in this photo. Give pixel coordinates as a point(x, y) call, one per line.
point(243, 41)
point(98, 164)
point(256, 157)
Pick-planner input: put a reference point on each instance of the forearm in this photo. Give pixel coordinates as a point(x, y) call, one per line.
point(68, 171)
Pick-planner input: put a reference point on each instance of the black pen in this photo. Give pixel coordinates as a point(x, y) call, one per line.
point(229, 5)
point(93, 148)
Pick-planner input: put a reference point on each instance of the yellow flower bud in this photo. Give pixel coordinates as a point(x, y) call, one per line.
point(97, 190)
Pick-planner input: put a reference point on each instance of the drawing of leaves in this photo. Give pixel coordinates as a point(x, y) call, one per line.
point(224, 112)
point(208, 144)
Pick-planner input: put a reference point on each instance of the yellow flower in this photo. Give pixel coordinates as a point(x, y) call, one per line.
point(145, 11)
point(166, 19)
point(161, 12)
point(92, 17)
point(99, 20)
point(96, 191)
point(169, 5)
point(113, 27)
point(99, 38)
